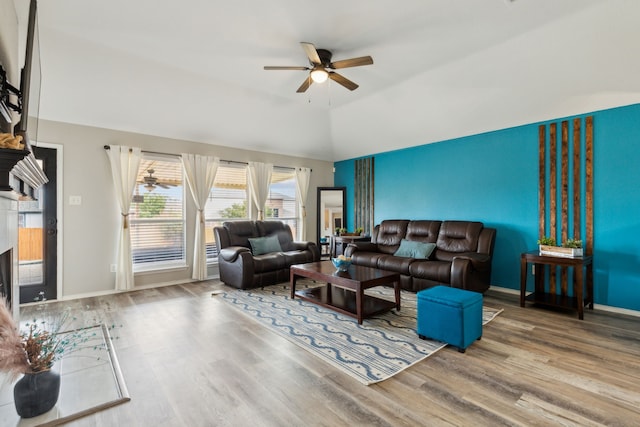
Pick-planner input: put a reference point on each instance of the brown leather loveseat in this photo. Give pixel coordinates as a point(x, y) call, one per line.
point(248, 256)
point(460, 257)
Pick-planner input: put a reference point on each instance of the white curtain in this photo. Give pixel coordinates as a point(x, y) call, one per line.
point(124, 169)
point(303, 176)
point(200, 172)
point(259, 182)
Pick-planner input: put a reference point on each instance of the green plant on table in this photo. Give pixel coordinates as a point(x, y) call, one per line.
point(572, 243)
point(547, 241)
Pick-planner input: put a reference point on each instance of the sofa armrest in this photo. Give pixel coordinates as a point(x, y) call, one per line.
point(478, 261)
point(236, 266)
point(301, 245)
point(360, 246)
point(307, 246)
point(471, 271)
point(231, 253)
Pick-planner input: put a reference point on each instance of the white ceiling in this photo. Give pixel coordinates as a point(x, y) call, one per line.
point(192, 69)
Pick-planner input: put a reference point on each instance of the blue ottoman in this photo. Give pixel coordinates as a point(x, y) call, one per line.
point(451, 315)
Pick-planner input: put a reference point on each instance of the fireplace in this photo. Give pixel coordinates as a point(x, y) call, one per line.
point(5, 274)
point(9, 249)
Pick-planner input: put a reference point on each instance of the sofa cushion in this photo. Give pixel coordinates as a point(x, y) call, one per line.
point(456, 237)
point(395, 263)
point(268, 262)
point(436, 271)
point(265, 245)
point(423, 231)
point(389, 234)
point(411, 249)
point(298, 257)
point(368, 259)
point(277, 228)
point(239, 232)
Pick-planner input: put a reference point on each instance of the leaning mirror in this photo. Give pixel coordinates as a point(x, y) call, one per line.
point(331, 214)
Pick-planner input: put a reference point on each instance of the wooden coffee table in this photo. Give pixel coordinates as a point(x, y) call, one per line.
point(344, 290)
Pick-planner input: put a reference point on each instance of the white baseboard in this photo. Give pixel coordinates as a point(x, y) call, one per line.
point(136, 288)
point(602, 307)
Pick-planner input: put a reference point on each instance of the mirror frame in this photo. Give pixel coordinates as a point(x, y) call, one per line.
point(319, 215)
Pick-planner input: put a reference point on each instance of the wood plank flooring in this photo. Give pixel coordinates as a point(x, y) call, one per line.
point(189, 359)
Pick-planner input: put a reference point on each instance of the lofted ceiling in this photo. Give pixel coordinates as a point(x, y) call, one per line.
point(193, 69)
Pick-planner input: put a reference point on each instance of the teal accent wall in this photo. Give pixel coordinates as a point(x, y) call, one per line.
point(493, 178)
point(346, 173)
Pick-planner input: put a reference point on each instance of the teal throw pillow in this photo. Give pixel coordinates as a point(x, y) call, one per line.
point(265, 245)
point(411, 249)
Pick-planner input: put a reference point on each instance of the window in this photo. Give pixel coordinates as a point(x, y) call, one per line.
point(281, 202)
point(156, 216)
point(228, 200)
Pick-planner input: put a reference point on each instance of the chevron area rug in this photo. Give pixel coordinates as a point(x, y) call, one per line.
point(372, 352)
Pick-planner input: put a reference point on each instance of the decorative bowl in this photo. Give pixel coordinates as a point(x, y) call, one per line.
point(341, 264)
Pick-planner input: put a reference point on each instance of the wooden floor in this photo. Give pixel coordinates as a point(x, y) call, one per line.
point(189, 359)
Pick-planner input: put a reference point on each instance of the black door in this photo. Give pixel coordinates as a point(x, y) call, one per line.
point(38, 236)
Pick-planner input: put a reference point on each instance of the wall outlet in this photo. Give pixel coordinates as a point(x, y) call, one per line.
point(114, 268)
point(75, 200)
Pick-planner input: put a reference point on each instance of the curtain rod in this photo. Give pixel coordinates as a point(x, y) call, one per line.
point(108, 147)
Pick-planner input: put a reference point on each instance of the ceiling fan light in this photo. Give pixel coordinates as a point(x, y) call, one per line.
point(319, 75)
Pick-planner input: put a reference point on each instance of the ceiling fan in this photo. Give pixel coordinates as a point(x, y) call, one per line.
point(321, 66)
point(150, 182)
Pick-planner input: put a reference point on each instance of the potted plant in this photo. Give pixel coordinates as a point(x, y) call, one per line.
point(32, 352)
point(359, 231)
point(575, 245)
point(570, 248)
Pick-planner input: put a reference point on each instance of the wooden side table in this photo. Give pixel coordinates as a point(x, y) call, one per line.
point(582, 266)
point(325, 251)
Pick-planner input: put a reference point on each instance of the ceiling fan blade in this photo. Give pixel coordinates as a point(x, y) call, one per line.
point(165, 186)
point(269, 67)
point(353, 62)
point(305, 85)
point(311, 52)
point(343, 81)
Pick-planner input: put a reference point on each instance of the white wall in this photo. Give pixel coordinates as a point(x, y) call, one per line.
point(9, 57)
point(89, 231)
point(9, 41)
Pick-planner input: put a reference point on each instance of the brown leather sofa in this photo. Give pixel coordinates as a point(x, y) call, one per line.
point(461, 257)
point(240, 268)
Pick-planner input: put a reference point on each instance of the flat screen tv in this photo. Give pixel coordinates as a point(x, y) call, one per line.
point(28, 170)
point(31, 78)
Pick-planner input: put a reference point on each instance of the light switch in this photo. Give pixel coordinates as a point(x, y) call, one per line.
point(75, 200)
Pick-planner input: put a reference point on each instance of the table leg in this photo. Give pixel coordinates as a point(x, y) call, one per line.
point(538, 280)
point(396, 286)
point(293, 279)
point(359, 300)
point(523, 280)
point(578, 291)
point(590, 285)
